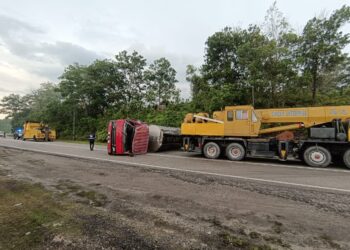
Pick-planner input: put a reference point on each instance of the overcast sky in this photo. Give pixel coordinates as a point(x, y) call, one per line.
point(39, 38)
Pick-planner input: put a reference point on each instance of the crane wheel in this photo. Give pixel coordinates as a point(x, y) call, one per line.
point(211, 150)
point(317, 156)
point(346, 158)
point(235, 152)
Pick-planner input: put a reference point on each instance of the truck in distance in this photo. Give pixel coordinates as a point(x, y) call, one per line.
point(38, 132)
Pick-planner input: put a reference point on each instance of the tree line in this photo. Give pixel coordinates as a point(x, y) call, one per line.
point(87, 96)
point(267, 65)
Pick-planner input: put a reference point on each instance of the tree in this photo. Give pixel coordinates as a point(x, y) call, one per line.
point(42, 100)
point(221, 61)
point(161, 79)
point(89, 91)
point(321, 46)
point(16, 107)
point(253, 67)
point(283, 80)
point(131, 69)
point(200, 89)
point(222, 69)
point(5, 125)
point(12, 105)
point(275, 24)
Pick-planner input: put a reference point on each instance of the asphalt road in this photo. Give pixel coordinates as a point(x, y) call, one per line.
point(262, 171)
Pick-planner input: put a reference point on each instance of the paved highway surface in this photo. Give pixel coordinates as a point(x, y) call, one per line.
point(262, 171)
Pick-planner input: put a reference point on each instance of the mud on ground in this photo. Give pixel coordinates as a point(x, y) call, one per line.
point(123, 207)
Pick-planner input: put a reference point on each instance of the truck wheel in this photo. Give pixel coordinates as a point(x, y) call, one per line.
point(316, 156)
point(346, 158)
point(235, 152)
point(211, 150)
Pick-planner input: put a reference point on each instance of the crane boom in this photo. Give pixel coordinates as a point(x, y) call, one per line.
point(316, 115)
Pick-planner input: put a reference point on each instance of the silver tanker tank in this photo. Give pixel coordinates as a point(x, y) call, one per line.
point(163, 138)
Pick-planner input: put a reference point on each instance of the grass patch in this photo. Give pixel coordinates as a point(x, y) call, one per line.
point(251, 242)
point(330, 241)
point(32, 217)
point(95, 198)
point(29, 215)
point(233, 241)
point(68, 186)
point(87, 196)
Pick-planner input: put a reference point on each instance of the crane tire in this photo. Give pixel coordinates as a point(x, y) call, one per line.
point(317, 156)
point(346, 158)
point(211, 150)
point(235, 152)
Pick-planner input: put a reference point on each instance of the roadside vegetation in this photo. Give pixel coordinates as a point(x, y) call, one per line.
point(5, 125)
point(32, 217)
point(267, 65)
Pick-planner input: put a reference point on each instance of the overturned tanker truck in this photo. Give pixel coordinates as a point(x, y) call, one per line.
point(130, 137)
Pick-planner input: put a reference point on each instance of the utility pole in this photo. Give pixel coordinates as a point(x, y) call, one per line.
point(74, 124)
point(253, 97)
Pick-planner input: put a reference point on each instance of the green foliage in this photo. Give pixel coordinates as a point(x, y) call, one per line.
point(111, 89)
point(321, 47)
point(272, 66)
point(16, 107)
point(161, 79)
point(43, 101)
point(5, 125)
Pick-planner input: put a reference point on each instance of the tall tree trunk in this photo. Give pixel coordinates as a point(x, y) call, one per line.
point(314, 82)
point(314, 87)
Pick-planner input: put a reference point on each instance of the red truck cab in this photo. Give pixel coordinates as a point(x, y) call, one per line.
point(127, 137)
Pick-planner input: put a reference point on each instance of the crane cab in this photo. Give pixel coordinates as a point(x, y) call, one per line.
point(241, 121)
point(233, 121)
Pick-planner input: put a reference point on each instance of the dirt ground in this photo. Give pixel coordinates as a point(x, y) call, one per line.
point(139, 208)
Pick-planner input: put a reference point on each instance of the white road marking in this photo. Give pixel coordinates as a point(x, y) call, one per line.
point(189, 170)
point(71, 145)
point(247, 163)
point(255, 163)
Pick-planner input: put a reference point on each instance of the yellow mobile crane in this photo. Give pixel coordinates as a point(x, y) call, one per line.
point(313, 134)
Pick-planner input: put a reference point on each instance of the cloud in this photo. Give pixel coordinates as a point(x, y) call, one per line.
point(8, 25)
point(31, 52)
point(67, 53)
point(3, 90)
point(18, 36)
point(29, 57)
point(26, 42)
point(178, 62)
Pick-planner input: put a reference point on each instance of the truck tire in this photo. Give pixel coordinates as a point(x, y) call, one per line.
point(346, 158)
point(317, 156)
point(211, 150)
point(235, 152)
